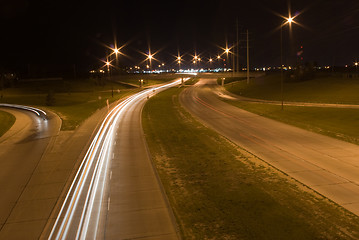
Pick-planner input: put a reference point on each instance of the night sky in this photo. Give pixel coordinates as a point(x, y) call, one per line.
point(61, 32)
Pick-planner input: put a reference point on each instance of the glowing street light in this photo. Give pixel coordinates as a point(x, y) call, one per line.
point(149, 58)
point(108, 65)
point(227, 51)
point(210, 60)
point(196, 59)
point(289, 20)
point(179, 62)
point(116, 51)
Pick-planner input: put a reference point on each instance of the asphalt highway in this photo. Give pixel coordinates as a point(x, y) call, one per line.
point(327, 165)
point(116, 193)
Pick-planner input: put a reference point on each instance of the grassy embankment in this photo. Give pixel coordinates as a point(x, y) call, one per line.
point(218, 191)
point(227, 80)
point(323, 89)
point(73, 100)
point(335, 122)
point(6, 121)
point(148, 80)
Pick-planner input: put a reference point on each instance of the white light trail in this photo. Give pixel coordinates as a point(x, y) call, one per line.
point(37, 111)
point(80, 214)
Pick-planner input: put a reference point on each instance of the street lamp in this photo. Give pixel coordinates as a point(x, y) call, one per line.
point(149, 57)
point(108, 64)
point(219, 61)
point(116, 52)
point(288, 21)
point(227, 52)
point(179, 62)
point(195, 59)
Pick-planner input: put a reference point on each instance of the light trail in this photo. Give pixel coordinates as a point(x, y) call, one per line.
point(37, 111)
point(80, 216)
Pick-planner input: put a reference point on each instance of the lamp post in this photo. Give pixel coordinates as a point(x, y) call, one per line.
point(219, 61)
point(289, 21)
point(116, 51)
point(179, 62)
point(227, 52)
point(150, 59)
point(108, 67)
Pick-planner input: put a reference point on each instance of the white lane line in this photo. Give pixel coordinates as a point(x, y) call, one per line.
point(108, 204)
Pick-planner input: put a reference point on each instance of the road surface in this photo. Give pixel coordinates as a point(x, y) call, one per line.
point(116, 193)
point(325, 164)
point(21, 149)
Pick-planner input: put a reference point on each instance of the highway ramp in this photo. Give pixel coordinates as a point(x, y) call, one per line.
point(327, 165)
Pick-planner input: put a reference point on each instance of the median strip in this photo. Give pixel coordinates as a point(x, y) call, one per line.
point(219, 191)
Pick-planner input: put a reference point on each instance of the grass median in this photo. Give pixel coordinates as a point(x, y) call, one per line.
point(219, 191)
point(322, 89)
point(340, 123)
point(6, 121)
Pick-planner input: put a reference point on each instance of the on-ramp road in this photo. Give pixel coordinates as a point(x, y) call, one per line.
point(327, 165)
point(21, 149)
